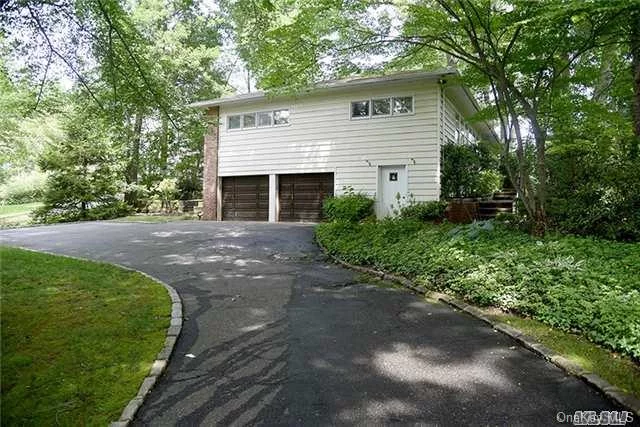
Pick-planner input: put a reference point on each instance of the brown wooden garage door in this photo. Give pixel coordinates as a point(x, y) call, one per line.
point(245, 198)
point(301, 195)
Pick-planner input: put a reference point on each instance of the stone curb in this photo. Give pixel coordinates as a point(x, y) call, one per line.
point(162, 359)
point(623, 399)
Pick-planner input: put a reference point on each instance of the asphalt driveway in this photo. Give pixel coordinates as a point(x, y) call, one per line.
point(275, 334)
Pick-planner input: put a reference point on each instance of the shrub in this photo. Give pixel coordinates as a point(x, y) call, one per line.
point(350, 206)
point(488, 182)
point(166, 190)
point(469, 171)
point(110, 210)
point(424, 211)
point(84, 171)
point(23, 188)
point(594, 186)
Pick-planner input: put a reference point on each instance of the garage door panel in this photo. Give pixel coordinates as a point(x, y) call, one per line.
point(245, 198)
point(251, 198)
point(301, 195)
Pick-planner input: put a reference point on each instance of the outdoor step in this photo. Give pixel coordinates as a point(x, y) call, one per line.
point(495, 203)
point(494, 211)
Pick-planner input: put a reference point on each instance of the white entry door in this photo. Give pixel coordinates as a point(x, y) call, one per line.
point(392, 181)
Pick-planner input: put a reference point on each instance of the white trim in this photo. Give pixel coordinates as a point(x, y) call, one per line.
point(274, 207)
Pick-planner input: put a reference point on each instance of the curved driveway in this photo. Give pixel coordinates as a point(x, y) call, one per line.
point(274, 334)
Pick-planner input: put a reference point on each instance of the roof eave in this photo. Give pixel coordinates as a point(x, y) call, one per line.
point(330, 86)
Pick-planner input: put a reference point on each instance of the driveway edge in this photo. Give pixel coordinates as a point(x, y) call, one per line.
point(612, 392)
point(162, 359)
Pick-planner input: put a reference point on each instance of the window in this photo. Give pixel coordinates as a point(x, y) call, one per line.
point(381, 107)
point(249, 120)
point(265, 118)
point(359, 109)
point(281, 117)
point(261, 119)
point(393, 176)
point(234, 122)
point(403, 105)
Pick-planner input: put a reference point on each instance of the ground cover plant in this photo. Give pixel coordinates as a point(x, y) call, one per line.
point(77, 338)
point(574, 284)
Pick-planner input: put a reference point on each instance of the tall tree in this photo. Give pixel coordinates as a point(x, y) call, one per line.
point(140, 62)
point(84, 168)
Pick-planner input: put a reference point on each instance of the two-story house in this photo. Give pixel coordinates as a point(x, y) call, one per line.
point(277, 158)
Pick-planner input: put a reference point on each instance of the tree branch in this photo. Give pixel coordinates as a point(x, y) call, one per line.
point(53, 50)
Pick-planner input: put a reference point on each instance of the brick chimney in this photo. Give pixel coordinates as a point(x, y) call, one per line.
point(210, 173)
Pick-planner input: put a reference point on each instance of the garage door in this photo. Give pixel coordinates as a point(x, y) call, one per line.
point(301, 195)
point(245, 198)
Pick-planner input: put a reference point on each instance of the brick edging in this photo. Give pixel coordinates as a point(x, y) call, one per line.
point(162, 359)
point(612, 392)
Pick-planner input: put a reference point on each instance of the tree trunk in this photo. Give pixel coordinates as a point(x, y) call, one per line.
point(540, 216)
point(634, 43)
point(164, 146)
point(134, 159)
point(606, 76)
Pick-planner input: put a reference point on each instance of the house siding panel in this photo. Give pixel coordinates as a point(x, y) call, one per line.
point(322, 138)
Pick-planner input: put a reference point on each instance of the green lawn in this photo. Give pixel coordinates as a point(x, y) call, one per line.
point(16, 215)
point(582, 285)
point(9, 210)
point(77, 338)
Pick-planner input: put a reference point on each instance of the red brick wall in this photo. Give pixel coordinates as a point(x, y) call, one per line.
point(210, 178)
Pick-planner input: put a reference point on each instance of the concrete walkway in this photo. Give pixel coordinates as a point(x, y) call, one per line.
point(274, 334)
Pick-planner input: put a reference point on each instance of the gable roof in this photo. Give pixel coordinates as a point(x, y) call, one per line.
point(461, 95)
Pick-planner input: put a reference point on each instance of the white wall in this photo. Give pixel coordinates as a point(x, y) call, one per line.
point(322, 138)
point(454, 127)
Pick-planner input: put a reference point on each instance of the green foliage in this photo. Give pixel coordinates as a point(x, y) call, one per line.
point(572, 283)
point(488, 182)
point(469, 171)
point(596, 187)
point(166, 190)
point(141, 63)
point(23, 188)
point(424, 211)
point(110, 210)
point(83, 172)
point(24, 131)
point(349, 206)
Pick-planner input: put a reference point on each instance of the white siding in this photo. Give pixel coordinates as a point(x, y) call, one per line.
point(454, 127)
point(321, 137)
